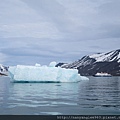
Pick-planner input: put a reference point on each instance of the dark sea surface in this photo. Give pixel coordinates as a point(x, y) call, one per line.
point(97, 96)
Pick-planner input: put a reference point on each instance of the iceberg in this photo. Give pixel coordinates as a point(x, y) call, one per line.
point(38, 73)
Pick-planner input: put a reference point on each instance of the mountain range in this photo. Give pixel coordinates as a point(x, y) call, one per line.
point(89, 65)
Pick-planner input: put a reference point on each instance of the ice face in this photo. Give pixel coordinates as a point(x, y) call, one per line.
point(49, 73)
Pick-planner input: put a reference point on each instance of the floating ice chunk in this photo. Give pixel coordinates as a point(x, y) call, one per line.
point(37, 65)
point(52, 64)
point(22, 73)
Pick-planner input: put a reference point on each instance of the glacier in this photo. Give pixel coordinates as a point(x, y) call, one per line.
point(38, 73)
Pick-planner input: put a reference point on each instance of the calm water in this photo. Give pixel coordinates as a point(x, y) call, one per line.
point(98, 96)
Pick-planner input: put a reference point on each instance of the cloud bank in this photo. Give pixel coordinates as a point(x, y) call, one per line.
point(61, 30)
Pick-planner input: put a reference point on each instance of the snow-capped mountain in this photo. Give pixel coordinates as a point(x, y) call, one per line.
point(3, 70)
point(101, 62)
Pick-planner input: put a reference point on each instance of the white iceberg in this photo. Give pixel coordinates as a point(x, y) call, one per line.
point(38, 73)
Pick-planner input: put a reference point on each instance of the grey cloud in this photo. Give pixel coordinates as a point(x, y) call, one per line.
point(110, 30)
point(43, 30)
point(51, 11)
point(110, 9)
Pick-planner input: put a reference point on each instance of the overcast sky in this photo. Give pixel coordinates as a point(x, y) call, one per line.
point(41, 31)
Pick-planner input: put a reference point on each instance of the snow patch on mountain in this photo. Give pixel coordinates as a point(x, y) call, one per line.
point(111, 56)
point(119, 57)
point(3, 68)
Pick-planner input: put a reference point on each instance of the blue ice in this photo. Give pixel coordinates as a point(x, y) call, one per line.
point(38, 73)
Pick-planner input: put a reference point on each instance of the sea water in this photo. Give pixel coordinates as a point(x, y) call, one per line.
point(96, 96)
